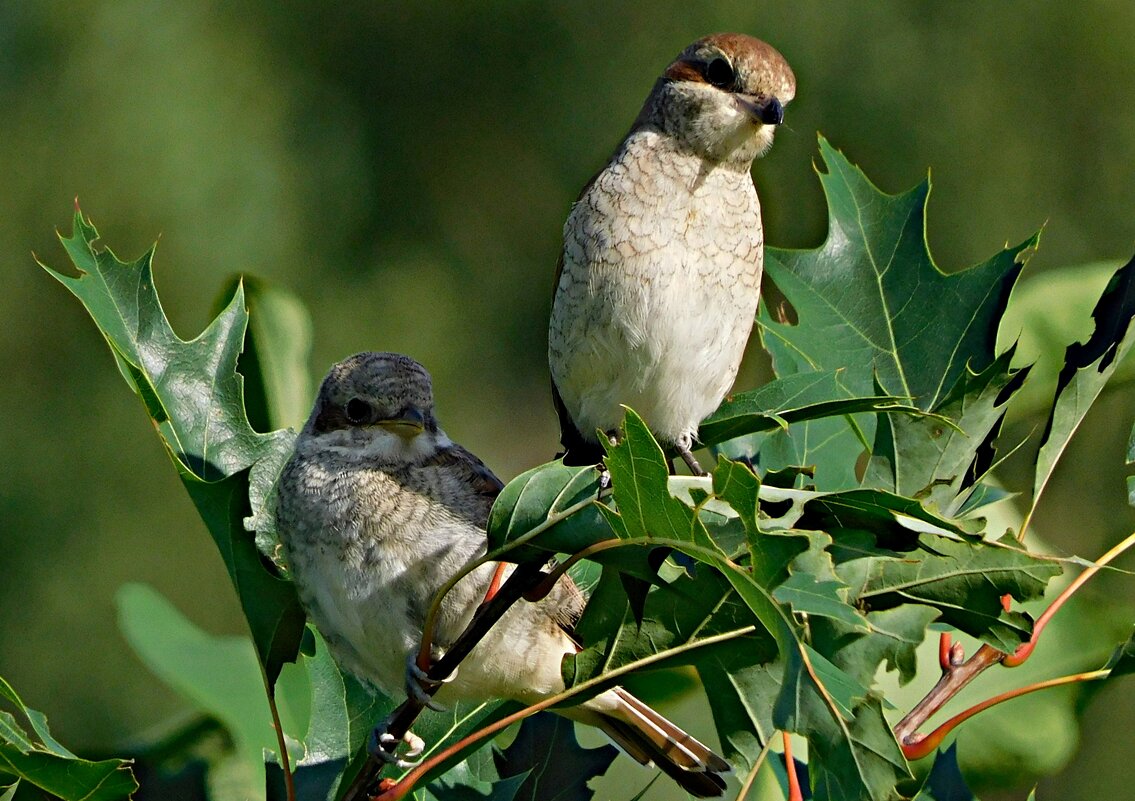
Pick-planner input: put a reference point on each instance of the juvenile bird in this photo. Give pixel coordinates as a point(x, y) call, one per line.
point(377, 508)
point(660, 274)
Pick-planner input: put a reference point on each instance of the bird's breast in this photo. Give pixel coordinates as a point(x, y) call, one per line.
point(659, 289)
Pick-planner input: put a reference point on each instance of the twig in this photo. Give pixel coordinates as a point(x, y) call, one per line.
point(747, 785)
point(956, 674)
point(522, 579)
point(954, 678)
point(285, 762)
point(1023, 652)
point(924, 744)
point(794, 793)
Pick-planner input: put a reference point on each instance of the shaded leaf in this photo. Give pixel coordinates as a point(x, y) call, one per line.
point(1048, 310)
point(806, 595)
point(1122, 662)
point(923, 457)
point(342, 715)
point(964, 581)
point(1130, 462)
point(219, 674)
point(277, 382)
point(945, 781)
point(551, 761)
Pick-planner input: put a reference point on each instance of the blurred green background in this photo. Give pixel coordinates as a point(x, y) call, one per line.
point(406, 170)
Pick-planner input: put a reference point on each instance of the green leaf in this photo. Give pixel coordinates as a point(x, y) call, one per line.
point(554, 765)
point(462, 784)
point(964, 581)
point(871, 303)
point(1087, 368)
point(342, 715)
point(192, 391)
point(1122, 662)
point(1048, 310)
point(805, 396)
point(543, 497)
point(922, 457)
point(1130, 462)
point(219, 674)
point(277, 382)
point(945, 781)
point(806, 595)
point(38, 759)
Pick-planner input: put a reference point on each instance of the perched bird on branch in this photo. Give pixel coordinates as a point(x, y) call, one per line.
point(658, 282)
point(377, 508)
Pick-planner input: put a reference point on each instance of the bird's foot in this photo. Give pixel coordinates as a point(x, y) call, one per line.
point(685, 445)
point(420, 687)
point(384, 746)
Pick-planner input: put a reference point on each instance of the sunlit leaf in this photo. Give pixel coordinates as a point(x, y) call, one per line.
point(871, 303)
point(1087, 368)
point(36, 758)
point(193, 393)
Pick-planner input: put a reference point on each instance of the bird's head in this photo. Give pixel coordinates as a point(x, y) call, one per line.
point(376, 405)
point(722, 97)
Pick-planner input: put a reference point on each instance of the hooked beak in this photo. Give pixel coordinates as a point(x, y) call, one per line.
point(408, 424)
point(765, 110)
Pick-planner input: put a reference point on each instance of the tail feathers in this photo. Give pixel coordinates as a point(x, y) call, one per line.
point(578, 449)
point(648, 737)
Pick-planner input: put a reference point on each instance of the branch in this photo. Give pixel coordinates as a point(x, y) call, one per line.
point(922, 744)
point(522, 579)
point(1022, 653)
point(399, 789)
point(957, 673)
point(954, 678)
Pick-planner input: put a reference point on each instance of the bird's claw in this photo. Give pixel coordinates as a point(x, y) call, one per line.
point(383, 746)
point(419, 684)
point(685, 445)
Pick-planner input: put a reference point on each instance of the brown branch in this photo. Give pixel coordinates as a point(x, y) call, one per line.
point(285, 762)
point(522, 579)
point(954, 678)
point(956, 674)
point(924, 744)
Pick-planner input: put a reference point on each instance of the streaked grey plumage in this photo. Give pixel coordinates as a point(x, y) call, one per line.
point(377, 508)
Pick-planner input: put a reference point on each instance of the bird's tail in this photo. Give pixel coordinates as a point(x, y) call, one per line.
point(649, 738)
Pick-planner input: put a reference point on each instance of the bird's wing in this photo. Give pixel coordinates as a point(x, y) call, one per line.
point(472, 472)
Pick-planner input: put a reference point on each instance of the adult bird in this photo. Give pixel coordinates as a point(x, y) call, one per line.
point(660, 274)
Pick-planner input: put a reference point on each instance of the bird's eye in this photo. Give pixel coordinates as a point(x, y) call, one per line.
point(358, 411)
point(720, 74)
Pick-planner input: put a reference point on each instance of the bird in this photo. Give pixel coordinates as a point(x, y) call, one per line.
point(377, 508)
point(659, 278)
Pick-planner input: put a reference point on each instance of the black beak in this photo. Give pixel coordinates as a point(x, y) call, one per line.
point(771, 112)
